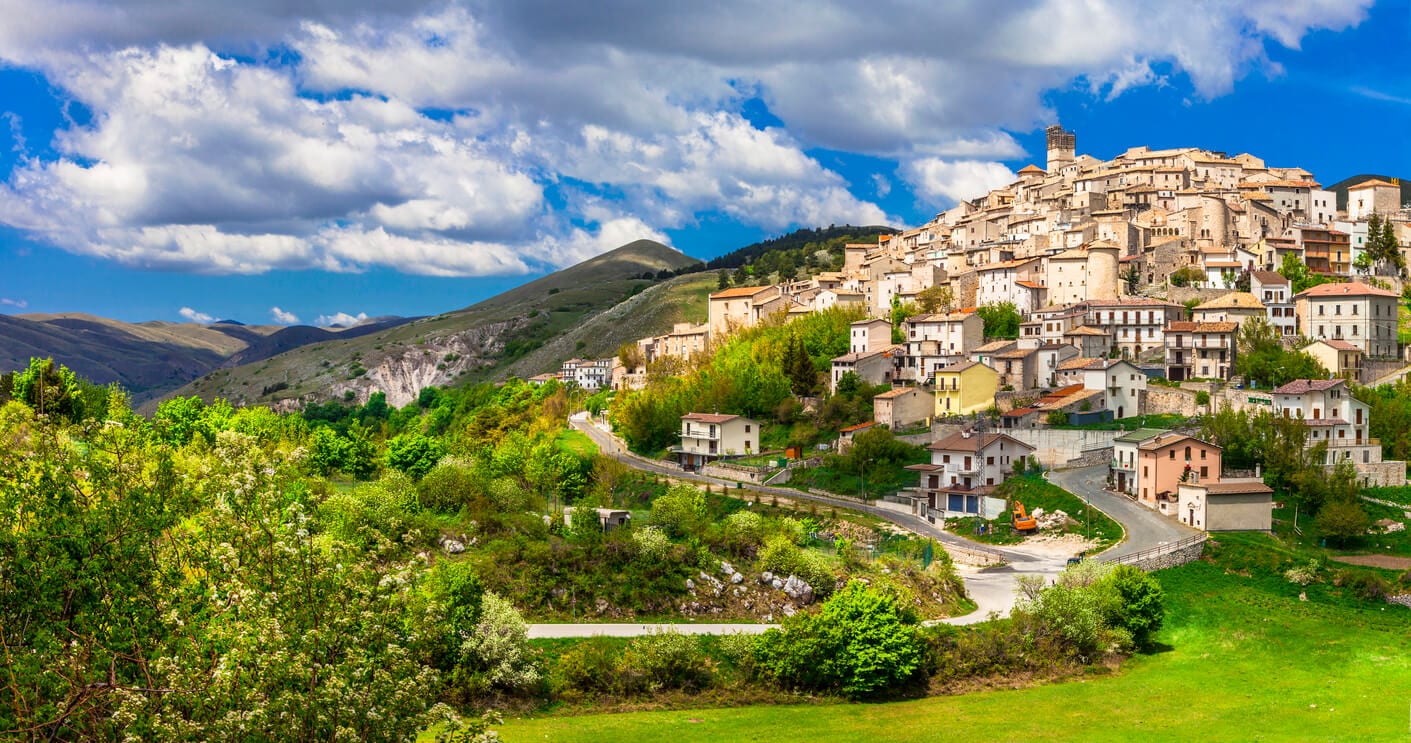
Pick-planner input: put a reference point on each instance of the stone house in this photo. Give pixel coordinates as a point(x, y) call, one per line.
point(743, 307)
point(1204, 350)
point(900, 407)
point(1362, 315)
point(1274, 292)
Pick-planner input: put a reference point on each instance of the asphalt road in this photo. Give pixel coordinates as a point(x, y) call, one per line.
point(992, 589)
point(1145, 528)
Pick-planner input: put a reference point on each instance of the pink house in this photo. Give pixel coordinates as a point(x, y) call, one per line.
point(1167, 461)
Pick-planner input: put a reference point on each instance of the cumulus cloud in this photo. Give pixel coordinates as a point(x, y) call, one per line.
point(16, 303)
point(428, 137)
point(196, 317)
point(949, 181)
point(282, 317)
point(341, 319)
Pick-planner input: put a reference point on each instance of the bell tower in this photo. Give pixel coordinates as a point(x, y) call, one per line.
point(1062, 147)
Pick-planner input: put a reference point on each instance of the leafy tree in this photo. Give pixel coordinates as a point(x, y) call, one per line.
point(874, 447)
point(1294, 269)
point(1262, 357)
point(1342, 520)
point(327, 451)
point(49, 389)
point(414, 454)
point(899, 312)
point(1057, 418)
point(936, 298)
point(1186, 276)
point(679, 510)
point(180, 419)
point(496, 653)
point(1001, 320)
point(861, 643)
point(1133, 279)
point(360, 456)
point(1141, 604)
point(630, 356)
point(722, 280)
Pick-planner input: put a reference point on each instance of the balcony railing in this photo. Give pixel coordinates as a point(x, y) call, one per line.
point(1334, 443)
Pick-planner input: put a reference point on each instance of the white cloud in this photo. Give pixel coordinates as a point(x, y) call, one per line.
point(282, 317)
point(881, 185)
point(16, 303)
point(194, 316)
point(342, 319)
point(241, 160)
point(949, 181)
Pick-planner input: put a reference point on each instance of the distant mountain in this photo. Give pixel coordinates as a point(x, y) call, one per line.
point(524, 330)
point(148, 359)
point(1340, 188)
point(795, 240)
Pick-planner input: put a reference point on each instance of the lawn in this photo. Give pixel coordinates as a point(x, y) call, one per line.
point(879, 479)
point(1036, 492)
point(1243, 659)
point(577, 443)
point(1394, 543)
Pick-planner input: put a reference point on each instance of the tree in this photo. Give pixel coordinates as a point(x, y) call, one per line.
point(1293, 269)
point(414, 454)
point(742, 276)
point(1001, 320)
point(722, 280)
point(1187, 276)
point(1382, 246)
point(803, 377)
point(679, 511)
point(1263, 358)
point(1133, 279)
point(631, 357)
point(900, 311)
point(49, 389)
point(861, 643)
point(1057, 418)
point(1342, 520)
point(936, 298)
point(1141, 604)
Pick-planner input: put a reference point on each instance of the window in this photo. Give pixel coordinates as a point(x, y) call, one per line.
point(1188, 454)
point(1204, 472)
point(1173, 455)
point(1202, 454)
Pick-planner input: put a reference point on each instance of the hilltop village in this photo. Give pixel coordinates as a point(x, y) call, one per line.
point(1091, 292)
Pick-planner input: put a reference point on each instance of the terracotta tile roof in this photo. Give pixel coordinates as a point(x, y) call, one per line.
point(1202, 327)
point(1235, 488)
point(1350, 289)
point(894, 392)
point(739, 291)
point(994, 347)
point(1163, 441)
point(1018, 353)
point(955, 368)
point(966, 441)
point(1074, 364)
point(1300, 386)
point(1268, 277)
point(1030, 284)
point(858, 427)
point(1031, 168)
point(1086, 330)
point(1373, 183)
point(1339, 345)
point(1233, 301)
point(708, 417)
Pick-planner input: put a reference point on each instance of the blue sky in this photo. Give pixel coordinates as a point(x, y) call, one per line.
point(410, 158)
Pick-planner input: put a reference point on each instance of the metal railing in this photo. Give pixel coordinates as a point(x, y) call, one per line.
point(1157, 551)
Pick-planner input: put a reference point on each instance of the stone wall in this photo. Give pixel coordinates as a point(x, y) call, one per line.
point(1379, 474)
point(1054, 448)
point(1173, 558)
point(1161, 400)
point(736, 472)
point(1092, 457)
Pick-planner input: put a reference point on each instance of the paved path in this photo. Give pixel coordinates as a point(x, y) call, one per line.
point(992, 590)
point(1145, 528)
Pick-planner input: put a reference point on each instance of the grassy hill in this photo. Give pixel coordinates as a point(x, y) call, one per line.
point(525, 330)
point(1244, 655)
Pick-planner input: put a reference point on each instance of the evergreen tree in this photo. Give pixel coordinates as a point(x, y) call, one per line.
point(722, 280)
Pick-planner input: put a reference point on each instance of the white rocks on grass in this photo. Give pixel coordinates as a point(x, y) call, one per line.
point(798, 589)
point(453, 546)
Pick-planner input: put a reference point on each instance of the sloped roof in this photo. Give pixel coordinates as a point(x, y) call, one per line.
point(1349, 289)
point(1185, 326)
point(1337, 344)
point(965, 440)
point(1140, 435)
point(1300, 386)
point(708, 417)
point(739, 291)
point(1268, 277)
point(1233, 301)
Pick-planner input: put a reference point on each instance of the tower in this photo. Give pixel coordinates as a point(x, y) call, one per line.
point(1062, 147)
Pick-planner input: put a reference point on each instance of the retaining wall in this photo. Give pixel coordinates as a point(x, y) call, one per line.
point(1172, 559)
point(1054, 448)
point(1160, 400)
point(1092, 457)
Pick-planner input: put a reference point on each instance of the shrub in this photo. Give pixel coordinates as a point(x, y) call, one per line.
point(449, 486)
point(671, 660)
point(414, 453)
point(592, 666)
point(1141, 604)
point(651, 544)
point(1364, 585)
point(680, 510)
point(1202, 398)
point(1302, 574)
point(859, 644)
point(496, 654)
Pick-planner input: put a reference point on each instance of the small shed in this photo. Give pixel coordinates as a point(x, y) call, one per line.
point(608, 518)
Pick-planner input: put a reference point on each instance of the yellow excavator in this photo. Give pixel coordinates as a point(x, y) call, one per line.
point(1021, 520)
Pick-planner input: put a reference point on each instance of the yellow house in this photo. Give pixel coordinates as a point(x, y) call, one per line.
point(962, 389)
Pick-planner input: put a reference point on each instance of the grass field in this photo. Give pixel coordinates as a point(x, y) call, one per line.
point(576, 442)
point(1035, 492)
point(1243, 658)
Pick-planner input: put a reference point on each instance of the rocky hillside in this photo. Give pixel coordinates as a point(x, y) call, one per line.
point(526, 330)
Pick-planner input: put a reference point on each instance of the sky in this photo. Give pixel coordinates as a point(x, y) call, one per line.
point(298, 162)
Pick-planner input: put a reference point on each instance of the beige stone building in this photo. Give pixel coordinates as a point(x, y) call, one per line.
point(706, 437)
point(743, 307)
point(900, 407)
point(1362, 315)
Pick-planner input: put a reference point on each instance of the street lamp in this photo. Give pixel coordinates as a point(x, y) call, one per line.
point(862, 492)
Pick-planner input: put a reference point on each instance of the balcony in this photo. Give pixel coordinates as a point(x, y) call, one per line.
point(1335, 443)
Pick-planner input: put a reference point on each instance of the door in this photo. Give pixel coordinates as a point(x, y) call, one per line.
point(1122, 481)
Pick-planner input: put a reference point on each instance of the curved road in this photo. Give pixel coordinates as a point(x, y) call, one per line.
point(992, 589)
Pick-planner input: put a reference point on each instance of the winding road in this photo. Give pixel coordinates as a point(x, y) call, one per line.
point(992, 589)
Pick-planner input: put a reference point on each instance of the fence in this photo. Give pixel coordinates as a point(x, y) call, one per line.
point(1162, 556)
